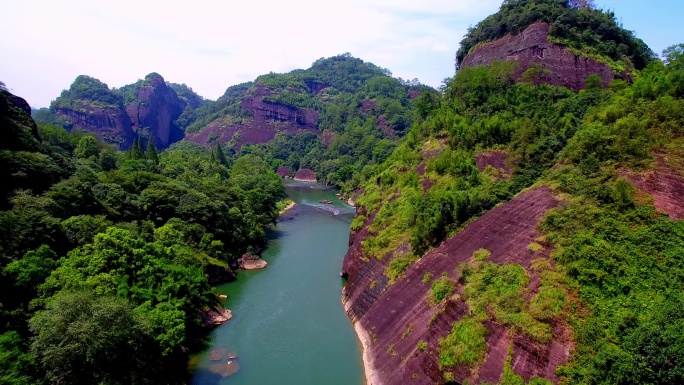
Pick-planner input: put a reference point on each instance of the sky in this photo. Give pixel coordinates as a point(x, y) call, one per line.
point(212, 44)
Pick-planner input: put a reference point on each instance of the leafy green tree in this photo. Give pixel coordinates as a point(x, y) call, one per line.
point(16, 365)
point(84, 339)
point(87, 147)
point(151, 153)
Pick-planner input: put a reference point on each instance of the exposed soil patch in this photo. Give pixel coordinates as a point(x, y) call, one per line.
point(427, 184)
point(664, 183)
point(421, 168)
point(368, 105)
point(495, 159)
point(382, 123)
point(327, 137)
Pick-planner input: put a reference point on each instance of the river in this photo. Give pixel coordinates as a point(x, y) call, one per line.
point(288, 325)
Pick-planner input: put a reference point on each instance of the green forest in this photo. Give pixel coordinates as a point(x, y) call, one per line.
point(107, 256)
point(357, 139)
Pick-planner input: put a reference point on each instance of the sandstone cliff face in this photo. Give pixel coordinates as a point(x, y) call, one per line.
point(382, 314)
point(154, 112)
point(110, 124)
point(562, 67)
point(268, 118)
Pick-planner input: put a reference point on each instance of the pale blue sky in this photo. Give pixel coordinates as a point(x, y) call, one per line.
point(212, 44)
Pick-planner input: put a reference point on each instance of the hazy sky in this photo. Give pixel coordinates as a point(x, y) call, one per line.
point(212, 44)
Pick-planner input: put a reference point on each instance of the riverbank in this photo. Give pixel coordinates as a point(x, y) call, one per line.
point(372, 376)
point(287, 208)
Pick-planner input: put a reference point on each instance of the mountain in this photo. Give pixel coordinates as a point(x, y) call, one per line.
point(336, 117)
point(149, 108)
point(561, 41)
point(528, 227)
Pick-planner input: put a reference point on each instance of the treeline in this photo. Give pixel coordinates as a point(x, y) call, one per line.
point(106, 256)
point(614, 252)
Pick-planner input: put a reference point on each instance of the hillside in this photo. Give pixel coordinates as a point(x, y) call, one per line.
point(338, 118)
point(524, 232)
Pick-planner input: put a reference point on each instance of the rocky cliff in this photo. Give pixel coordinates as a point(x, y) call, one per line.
point(555, 64)
point(109, 123)
point(147, 108)
point(154, 110)
point(265, 119)
point(394, 320)
point(18, 128)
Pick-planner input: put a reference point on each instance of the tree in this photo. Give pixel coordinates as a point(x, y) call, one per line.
point(582, 4)
point(220, 155)
point(87, 147)
point(673, 56)
point(84, 339)
point(151, 153)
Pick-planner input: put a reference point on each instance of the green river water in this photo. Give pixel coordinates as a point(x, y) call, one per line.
point(288, 325)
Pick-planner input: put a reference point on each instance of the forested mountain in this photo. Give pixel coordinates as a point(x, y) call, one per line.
point(341, 117)
point(107, 257)
point(149, 108)
point(523, 232)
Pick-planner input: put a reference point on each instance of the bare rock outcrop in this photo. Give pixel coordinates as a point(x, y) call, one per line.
point(283, 172)
point(267, 119)
point(216, 316)
point(251, 262)
point(110, 123)
point(560, 66)
point(664, 183)
point(305, 175)
point(153, 113)
point(382, 313)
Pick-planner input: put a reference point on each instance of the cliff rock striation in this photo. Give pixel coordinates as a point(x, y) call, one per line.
point(394, 320)
point(154, 110)
point(263, 119)
point(556, 64)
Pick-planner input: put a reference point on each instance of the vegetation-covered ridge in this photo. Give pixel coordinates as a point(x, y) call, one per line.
point(361, 114)
point(614, 272)
point(588, 31)
point(106, 257)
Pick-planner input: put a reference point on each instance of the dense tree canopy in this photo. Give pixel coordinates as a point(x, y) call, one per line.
point(105, 256)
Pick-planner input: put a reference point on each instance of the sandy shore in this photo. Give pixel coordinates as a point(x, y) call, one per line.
point(372, 377)
point(287, 208)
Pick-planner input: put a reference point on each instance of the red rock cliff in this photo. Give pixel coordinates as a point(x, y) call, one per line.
point(154, 112)
point(562, 67)
point(110, 123)
point(392, 319)
point(268, 118)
